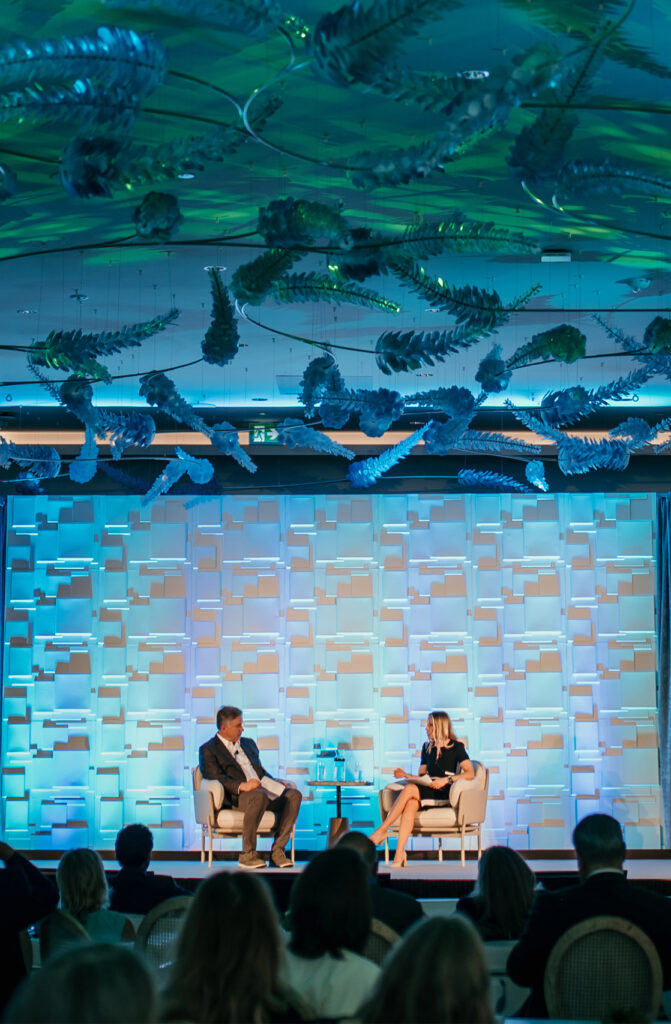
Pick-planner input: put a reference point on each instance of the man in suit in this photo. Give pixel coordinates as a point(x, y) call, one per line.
point(235, 763)
point(396, 909)
point(135, 889)
point(603, 889)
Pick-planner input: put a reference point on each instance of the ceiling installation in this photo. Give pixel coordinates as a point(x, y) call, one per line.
point(403, 239)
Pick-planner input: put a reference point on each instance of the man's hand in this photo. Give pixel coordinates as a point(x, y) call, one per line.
point(247, 787)
point(400, 774)
point(6, 852)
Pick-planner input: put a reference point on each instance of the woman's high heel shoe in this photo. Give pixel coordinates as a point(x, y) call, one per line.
point(403, 863)
point(377, 837)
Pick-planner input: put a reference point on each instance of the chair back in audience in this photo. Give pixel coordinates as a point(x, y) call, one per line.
point(58, 930)
point(26, 950)
point(156, 935)
point(604, 967)
point(506, 997)
point(380, 940)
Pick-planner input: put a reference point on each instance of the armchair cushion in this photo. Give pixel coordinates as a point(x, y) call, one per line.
point(460, 786)
point(231, 818)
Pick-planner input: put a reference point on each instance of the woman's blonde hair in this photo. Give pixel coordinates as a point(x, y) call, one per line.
point(437, 971)
point(443, 733)
point(82, 883)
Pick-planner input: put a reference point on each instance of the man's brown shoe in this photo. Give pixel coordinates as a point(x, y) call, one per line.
point(279, 859)
point(251, 861)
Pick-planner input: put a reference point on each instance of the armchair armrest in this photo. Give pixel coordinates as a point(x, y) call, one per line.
point(471, 803)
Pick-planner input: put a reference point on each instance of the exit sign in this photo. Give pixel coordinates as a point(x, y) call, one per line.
point(263, 433)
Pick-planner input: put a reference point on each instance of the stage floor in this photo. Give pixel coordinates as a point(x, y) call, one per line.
point(638, 868)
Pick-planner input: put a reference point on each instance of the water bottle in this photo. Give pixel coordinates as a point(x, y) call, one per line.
point(339, 768)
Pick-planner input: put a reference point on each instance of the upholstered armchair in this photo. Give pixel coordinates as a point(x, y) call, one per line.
point(217, 820)
point(463, 816)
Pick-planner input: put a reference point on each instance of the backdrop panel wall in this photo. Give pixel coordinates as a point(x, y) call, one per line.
point(333, 621)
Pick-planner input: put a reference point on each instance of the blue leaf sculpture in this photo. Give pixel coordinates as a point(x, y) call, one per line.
point(76, 351)
point(404, 351)
point(252, 281)
point(125, 430)
point(116, 57)
point(488, 441)
point(453, 401)
point(493, 373)
point(88, 104)
point(288, 222)
point(441, 438)
point(638, 430)
point(535, 474)
point(579, 455)
point(476, 478)
point(562, 408)
point(224, 436)
point(325, 288)
point(583, 178)
point(157, 218)
point(40, 461)
point(295, 434)
point(252, 17)
point(321, 375)
point(564, 343)
point(84, 467)
point(220, 344)
point(366, 472)
point(200, 472)
point(157, 389)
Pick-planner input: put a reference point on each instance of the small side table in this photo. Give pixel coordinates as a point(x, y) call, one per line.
point(337, 825)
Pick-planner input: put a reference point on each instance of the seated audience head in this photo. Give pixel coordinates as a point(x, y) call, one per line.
point(81, 882)
point(437, 972)
point(362, 845)
point(330, 905)
point(504, 890)
point(598, 843)
point(133, 846)
point(227, 959)
point(101, 983)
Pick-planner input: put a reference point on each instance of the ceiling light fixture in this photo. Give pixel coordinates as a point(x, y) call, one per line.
point(186, 175)
point(26, 312)
point(78, 296)
point(475, 75)
point(555, 255)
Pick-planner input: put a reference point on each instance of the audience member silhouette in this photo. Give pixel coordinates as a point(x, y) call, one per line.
point(84, 984)
point(228, 957)
point(502, 896)
point(84, 895)
point(135, 889)
point(603, 889)
point(396, 909)
point(329, 920)
point(437, 972)
point(25, 896)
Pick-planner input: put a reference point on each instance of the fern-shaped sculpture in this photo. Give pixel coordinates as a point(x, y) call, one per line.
point(84, 102)
point(495, 443)
point(479, 478)
point(200, 472)
point(654, 359)
point(469, 304)
point(493, 374)
point(40, 461)
point(582, 178)
point(252, 17)
point(253, 281)
point(564, 343)
point(366, 472)
point(125, 430)
point(324, 288)
point(295, 434)
point(115, 57)
point(220, 343)
point(578, 455)
point(459, 233)
point(77, 352)
point(452, 401)
point(441, 438)
point(636, 429)
point(354, 43)
point(320, 376)
point(404, 351)
point(288, 222)
point(225, 438)
point(157, 389)
point(98, 165)
point(377, 410)
point(562, 408)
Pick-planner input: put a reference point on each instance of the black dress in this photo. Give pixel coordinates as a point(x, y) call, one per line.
point(438, 765)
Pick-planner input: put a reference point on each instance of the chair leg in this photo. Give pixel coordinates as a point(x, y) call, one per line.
point(209, 859)
point(293, 845)
point(463, 853)
point(386, 850)
point(440, 848)
point(202, 844)
point(479, 842)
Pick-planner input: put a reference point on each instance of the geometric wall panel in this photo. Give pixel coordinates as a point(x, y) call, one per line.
point(336, 622)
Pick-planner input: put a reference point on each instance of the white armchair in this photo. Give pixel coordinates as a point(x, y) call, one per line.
point(463, 816)
point(217, 820)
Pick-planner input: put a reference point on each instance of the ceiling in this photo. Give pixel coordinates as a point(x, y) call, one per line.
point(547, 121)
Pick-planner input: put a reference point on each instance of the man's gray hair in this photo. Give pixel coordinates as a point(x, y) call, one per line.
point(226, 713)
point(598, 839)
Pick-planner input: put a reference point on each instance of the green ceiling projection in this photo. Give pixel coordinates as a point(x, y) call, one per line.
point(215, 203)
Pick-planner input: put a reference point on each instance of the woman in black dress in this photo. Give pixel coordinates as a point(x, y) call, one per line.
point(442, 756)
